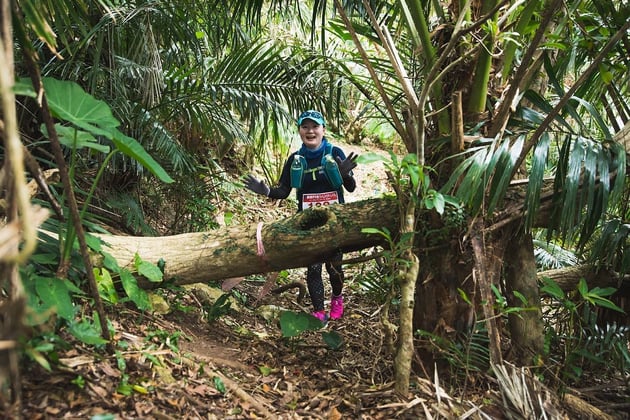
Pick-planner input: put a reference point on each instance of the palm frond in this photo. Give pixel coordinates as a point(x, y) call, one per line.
point(261, 80)
point(550, 255)
point(543, 104)
point(610, 249)
point(536, 176)
point(132, 213)
point(162, 142)
point(502, 176)
point(482, 179)
point(582, 186)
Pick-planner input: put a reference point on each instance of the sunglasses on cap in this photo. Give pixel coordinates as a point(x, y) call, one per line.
point(311, 115)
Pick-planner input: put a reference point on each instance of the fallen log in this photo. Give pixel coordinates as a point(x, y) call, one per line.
point(297, 241)
point(568, 278)
point(300, 240)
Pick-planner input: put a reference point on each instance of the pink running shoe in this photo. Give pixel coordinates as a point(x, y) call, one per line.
point(336, 307)
point(321, 315)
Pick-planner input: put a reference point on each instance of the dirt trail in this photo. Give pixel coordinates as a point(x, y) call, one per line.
point(371, 177)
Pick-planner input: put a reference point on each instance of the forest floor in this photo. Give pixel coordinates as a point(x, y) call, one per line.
point(193, 362)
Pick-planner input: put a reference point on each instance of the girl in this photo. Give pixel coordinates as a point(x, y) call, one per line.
point(318, 184)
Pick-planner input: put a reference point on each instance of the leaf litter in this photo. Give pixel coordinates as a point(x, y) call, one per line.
point(181, 365)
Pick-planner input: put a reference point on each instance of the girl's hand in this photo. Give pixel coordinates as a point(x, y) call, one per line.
point(256, 185)
point(347, 165)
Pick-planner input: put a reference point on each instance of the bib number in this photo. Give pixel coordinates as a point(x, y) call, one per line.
point(319, 199)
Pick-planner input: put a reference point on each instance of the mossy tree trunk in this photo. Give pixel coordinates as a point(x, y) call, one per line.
point(407, 279)
point(297, 241)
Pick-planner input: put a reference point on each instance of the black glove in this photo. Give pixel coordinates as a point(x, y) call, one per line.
point(346, 166)
point(257, 186)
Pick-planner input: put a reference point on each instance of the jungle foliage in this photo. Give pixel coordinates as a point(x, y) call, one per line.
point(159, 107)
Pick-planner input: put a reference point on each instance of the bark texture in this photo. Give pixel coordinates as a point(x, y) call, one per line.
point(526, 326)
point(407, 278)
point(487, 271)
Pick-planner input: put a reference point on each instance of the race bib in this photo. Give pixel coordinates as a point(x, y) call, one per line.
point(319, 199)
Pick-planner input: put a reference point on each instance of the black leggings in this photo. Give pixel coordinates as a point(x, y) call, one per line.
point(316, 285)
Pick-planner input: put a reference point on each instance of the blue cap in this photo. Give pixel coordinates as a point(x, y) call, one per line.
point(311, 115)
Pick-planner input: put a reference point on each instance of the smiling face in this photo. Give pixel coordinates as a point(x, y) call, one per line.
point(311, 133)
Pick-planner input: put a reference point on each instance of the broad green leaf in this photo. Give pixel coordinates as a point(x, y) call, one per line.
point(437, 201)
point(94, 242)
point(105, 285)
point(554, 46)
point(72, 288)
point(607, 77)
point(140, 389)
point(130, 147)
point(369, 157)
point(552, 288)
point(125, 389)
point(151, 271)
point(265, 370)
point(218, 384)
point(520, 297)
point(582, 287)
point(332, 339)
point(450, 200)
point(294, 323)
point(38, 357)
point(602, 302)
point(603, 291)
point(76, 139)
point(136, 294)
point(105, 416)
point(54, 293)
point(121, 363)
point(68, 101)
point(413, 171)
point(110, 263)
point(24, 87)
point(375, 231)
point(410, 159)
point(87, 332)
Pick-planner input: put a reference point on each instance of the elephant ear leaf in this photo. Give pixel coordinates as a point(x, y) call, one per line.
point(76, 139)
point(69, 102)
